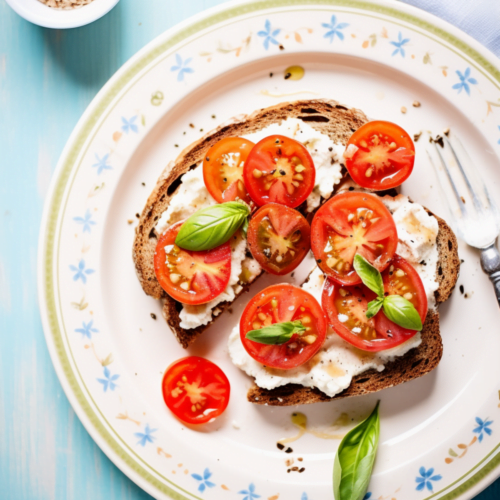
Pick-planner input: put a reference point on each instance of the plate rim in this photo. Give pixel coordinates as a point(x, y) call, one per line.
point(123, 76)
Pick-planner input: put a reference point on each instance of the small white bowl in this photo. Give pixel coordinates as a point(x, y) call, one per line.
point(48, 17)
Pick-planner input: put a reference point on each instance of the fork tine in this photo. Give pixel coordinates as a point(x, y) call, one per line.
point(479, 179)
point(448, 175)
point(475, 199)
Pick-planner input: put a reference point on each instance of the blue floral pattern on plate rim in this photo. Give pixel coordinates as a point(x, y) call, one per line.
point(105, 162)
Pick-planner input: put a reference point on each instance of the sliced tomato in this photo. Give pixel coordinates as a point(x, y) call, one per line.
point(345, 308)
point(400, 278)
point(279, 238)
point(348, 224)
point(279, 170)
point(191, 277)
point(277, 304)
point(195, 390)
point(380, 155)
point(223, 169)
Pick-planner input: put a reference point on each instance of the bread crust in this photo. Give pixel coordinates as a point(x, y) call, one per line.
point(327, 116)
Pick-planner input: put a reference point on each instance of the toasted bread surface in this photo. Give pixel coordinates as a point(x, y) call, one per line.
point(327, 116)
point(415, 363)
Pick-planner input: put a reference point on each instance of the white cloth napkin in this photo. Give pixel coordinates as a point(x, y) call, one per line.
point(478, 18)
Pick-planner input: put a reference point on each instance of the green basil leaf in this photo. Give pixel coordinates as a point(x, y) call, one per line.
point(374, 307)
point(369, 275)
point(212, 226)
point(244, 227)
point(279, 333)
point(354, 460)
point(402, 312)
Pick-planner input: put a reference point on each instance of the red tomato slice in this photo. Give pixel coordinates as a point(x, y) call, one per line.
point(400, 278)
point(191, 277)
point(279, 170)
point(277, 304)
point(223, 169)
point(380, 155)
point(348, 224)
point(195, 390)
point(279, 238)
point(345, 308)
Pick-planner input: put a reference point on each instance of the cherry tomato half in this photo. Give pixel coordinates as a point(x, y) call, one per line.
point(279, 238)
point(195, 390)
point(348, 224)
point(279, 170)
point(380, 155)
point(191, 277)
point(345, 308)
point(223, 169)
point(277, 304)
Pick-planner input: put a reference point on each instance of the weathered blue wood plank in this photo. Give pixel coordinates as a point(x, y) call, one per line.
point(47, 79)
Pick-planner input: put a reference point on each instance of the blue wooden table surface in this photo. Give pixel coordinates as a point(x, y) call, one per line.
point(47, 79)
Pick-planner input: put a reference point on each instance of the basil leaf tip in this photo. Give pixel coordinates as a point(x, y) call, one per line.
point(355, 458)
point(370, 275)
point(212, 226)
point(402, 312)
point(276, 334)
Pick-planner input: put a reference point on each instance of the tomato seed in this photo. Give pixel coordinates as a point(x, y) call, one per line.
point(298, 177)
point(369, 172)
point(363, 144)
point(408, 296)
point(174, 278)
point(299, 168)
point(309, 339)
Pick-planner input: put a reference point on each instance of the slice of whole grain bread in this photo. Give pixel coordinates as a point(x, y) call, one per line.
point(327, 116)
point(413, 364)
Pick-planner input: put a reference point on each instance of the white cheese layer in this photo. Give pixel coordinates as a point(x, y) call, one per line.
point(193, 196)
point(193, 316)
point(417, 234)
point(331, 370)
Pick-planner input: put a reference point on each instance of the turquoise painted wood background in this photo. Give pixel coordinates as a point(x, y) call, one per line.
point(47, 79)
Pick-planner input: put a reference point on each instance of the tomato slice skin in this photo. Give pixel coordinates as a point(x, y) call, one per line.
point(345, 308)
point(384, 157)
point(278, 233)
point(277, 304)
point(195, 390)
point(351, 223)
point(279, 170)
point(223, 169)
point(191, 277)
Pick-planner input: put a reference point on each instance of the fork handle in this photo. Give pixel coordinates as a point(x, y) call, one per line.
point(490, 262)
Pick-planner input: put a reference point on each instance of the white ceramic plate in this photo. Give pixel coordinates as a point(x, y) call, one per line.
point(440, 434)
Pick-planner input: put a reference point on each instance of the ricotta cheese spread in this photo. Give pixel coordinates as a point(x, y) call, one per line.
point(331, 370)
point(193, 316)
point(417, 234)
point(193, 196)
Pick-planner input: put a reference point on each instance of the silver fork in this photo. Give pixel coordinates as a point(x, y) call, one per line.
point(474, 215)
